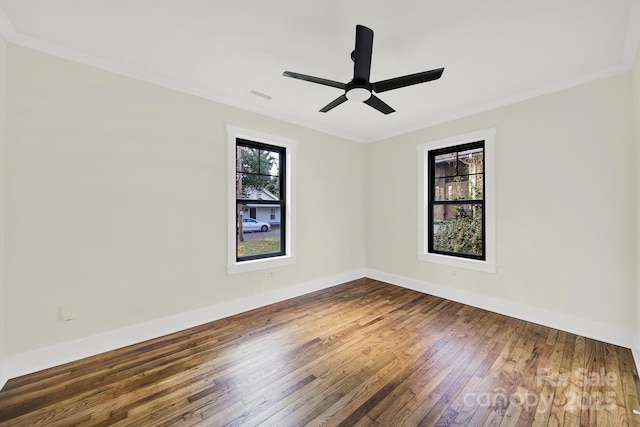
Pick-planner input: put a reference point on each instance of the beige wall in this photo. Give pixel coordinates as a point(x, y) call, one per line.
point(116, 192)
point(116, 202)
point(636, 120)
point(3, 301)
point(566, 204)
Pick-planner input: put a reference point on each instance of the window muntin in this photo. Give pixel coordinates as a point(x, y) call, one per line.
point(260, 198)
point(456, 201)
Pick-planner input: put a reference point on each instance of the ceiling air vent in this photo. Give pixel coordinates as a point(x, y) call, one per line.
point(260, 94)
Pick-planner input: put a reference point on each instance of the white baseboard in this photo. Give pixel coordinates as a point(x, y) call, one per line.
point(635, 350)
point(47, 357)
point(4, 377)
point(564, 322)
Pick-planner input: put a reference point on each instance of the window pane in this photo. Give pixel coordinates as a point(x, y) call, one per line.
point(258, 162)
point(445, 165)
point(458, 228)
point(476, 186)
point(258, 187)
point(273, 159)
point(247, 159)
point(440, 189)
point(470, 161)
point(258, 174)
point(458, 188)
point(257, 234)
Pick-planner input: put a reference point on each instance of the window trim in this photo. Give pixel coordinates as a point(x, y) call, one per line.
point(233, 265)
point(489, 263)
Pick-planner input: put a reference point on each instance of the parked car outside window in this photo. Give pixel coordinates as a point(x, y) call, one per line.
point(250, 224)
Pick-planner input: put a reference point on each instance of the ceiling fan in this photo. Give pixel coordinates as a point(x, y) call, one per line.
point(360, 88)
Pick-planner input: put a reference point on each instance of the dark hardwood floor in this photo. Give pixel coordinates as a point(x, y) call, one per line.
point(363, 353)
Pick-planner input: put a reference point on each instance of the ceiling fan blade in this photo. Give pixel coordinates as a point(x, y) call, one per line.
point(362, 54)
point(339, 100)
point(312, 79)
point(379, 104)
point(411, 79)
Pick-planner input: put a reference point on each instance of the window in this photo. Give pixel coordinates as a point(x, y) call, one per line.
point(260, 177)
point(457, 201)
point(455, 221)
point(261, 200)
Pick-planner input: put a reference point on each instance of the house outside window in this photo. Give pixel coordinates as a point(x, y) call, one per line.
point(261, 200)
point(457, 201)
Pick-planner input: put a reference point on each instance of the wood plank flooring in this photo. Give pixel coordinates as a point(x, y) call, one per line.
point(364, 353)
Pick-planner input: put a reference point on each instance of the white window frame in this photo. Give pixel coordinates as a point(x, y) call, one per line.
point(233, 265)
point(489, 264)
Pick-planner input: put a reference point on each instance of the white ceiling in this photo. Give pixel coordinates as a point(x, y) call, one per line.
point(494, 51)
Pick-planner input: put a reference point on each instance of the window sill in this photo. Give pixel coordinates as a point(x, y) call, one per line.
point(259, 264)
point(470, 264)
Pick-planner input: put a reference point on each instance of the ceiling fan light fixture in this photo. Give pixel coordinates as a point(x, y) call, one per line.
point(358, 94)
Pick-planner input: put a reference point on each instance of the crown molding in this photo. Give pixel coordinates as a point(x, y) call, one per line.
point(6, 28)
point(633, 36)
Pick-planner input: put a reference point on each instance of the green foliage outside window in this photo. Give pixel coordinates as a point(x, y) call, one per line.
point(464, 233)
point(259, 170)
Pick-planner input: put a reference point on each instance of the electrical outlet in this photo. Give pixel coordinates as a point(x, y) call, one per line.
point(270, 275)
point(454, 272)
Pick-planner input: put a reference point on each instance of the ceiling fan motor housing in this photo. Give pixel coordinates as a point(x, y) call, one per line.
point(358, 92)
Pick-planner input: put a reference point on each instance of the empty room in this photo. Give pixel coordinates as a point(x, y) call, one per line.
point(362, 213)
